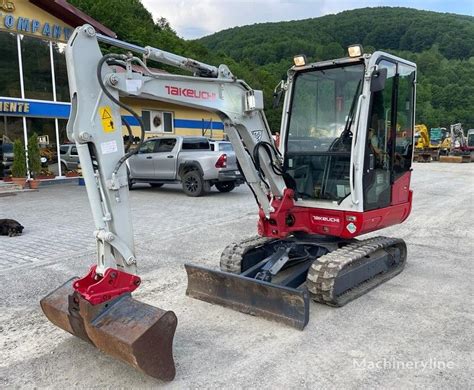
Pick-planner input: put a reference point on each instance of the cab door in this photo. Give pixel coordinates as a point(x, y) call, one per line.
point(389, 142)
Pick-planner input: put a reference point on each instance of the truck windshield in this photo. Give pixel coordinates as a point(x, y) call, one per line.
point(319, 133)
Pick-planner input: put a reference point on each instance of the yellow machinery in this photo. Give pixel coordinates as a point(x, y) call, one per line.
point(430, 145)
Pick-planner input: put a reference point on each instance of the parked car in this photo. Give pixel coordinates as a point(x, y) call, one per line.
point(68, 157)
point(186, 160)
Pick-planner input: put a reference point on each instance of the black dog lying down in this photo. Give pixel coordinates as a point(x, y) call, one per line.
point(10, 227)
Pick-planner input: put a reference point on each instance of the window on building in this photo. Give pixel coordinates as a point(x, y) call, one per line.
point(60, 72)
point(168, 122)
point(11, 129)
point(63, 139)
point(46, 131)
point(9, 69)
point(158, 121)
point(36, 68)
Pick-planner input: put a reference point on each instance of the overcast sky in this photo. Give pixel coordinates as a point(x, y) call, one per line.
point(197, 18)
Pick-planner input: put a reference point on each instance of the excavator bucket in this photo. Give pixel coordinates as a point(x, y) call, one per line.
point(134, 332)
point(248, 295)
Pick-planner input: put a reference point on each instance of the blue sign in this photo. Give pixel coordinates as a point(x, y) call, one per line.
point(34, 108)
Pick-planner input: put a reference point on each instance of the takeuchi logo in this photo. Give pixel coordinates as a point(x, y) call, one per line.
point(190, 93)
point(318, 218)
point(7, 6)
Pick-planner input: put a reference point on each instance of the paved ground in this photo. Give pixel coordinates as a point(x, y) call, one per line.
point(414, 331)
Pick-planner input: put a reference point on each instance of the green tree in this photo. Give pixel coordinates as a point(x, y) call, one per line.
point(19, 159)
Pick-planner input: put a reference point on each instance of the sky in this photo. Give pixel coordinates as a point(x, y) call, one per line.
point(196, 18)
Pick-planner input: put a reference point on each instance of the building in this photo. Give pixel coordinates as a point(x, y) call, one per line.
point(34, 92)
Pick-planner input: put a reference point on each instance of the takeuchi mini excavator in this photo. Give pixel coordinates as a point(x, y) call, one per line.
point(342, 170)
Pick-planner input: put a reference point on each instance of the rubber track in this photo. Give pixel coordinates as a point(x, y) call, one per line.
point(232, 255)
point(324, 271)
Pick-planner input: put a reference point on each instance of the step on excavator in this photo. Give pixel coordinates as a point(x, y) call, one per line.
point(342, 170)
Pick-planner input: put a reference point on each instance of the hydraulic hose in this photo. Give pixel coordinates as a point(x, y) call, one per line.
point(128, 153)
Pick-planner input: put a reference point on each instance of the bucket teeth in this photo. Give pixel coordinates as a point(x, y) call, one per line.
point(129, 330)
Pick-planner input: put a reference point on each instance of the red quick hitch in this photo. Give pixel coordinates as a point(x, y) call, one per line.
point(222, 161)
point(97, 289)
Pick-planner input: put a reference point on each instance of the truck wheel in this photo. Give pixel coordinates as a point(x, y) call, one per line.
point(193, 184)
point(225, 186)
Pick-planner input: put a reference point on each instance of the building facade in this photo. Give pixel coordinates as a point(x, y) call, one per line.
point(34, 91)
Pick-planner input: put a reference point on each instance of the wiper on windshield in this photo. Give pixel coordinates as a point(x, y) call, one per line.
point(350, 116)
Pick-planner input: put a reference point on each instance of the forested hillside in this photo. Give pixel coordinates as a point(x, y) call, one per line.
point(441, 44)
point(328, 36)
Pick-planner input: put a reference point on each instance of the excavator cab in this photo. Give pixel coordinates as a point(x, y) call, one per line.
point(343, 154)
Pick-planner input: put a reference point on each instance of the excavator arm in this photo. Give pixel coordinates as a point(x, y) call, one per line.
point(86, 306)
point(95, 126)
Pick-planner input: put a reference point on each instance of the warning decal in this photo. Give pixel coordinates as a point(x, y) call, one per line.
point(105, 113)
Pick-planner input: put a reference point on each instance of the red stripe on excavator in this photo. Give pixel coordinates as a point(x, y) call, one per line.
point(288, 219)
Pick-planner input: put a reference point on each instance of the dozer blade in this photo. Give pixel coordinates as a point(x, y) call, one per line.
point(248, 295)
point(134, 332)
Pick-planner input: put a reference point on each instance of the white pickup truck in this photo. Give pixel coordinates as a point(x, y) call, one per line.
point(186, 160)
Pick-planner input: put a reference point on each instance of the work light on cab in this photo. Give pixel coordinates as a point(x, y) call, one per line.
point(355, 50)
point(299, 60)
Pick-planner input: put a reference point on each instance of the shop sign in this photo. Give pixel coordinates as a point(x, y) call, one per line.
point(23, 25)
point(14, 107)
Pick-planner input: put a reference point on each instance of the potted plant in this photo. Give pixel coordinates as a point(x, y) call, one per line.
point(34, 160)
point(19, 164)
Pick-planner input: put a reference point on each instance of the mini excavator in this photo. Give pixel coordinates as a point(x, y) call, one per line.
point(342, 170)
